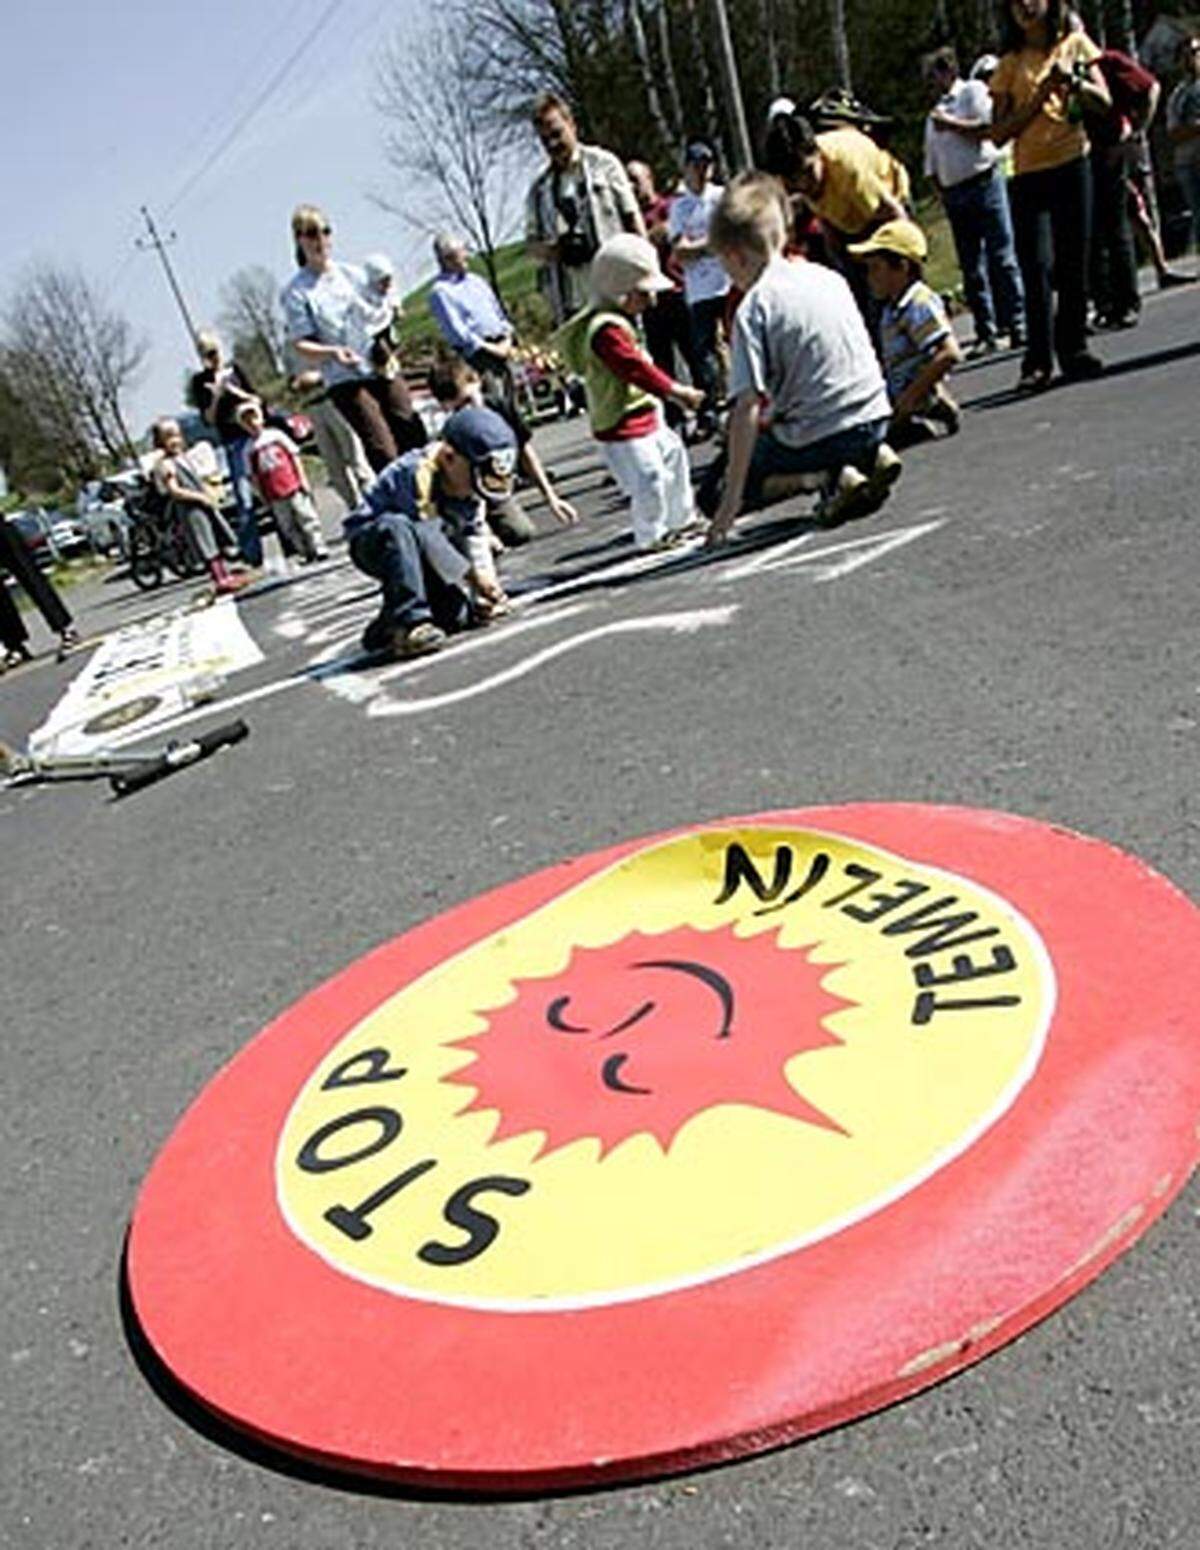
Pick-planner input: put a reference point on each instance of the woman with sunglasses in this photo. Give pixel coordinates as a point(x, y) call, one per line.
point(329, 311)
point(1046, 77)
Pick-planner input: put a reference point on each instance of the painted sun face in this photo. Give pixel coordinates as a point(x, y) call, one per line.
point(641, 1036)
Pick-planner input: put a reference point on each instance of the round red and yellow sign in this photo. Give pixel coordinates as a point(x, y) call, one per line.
point(680, 1150)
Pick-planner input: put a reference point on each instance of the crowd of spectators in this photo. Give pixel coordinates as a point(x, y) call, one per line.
point(784, 311)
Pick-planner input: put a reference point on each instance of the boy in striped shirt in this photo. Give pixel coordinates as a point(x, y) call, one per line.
point(916, 341)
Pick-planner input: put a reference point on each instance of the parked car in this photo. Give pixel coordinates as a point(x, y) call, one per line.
point(51, 536)
point(37, 540)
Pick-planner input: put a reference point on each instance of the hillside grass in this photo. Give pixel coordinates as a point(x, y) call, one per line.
point(525, 304)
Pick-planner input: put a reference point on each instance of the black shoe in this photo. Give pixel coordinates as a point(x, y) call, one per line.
point(1083, 367)
point(1170, 278)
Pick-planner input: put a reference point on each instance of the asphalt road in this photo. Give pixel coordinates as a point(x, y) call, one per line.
point(1015, 630)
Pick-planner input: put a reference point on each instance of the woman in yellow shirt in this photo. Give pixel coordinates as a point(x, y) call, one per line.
point(1044, 78)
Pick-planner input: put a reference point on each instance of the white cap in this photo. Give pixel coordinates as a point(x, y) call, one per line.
point(984, 67)
point(623, 264)
point(378, 266)
point(782, 107)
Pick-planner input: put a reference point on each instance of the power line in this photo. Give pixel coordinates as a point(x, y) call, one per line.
point(258, 104)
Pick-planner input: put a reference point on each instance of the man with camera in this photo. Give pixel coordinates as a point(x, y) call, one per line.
point(580, 199)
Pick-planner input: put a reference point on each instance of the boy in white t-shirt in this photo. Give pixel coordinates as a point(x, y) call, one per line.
point(809, 400)
point(705, 283)
point(277, 473)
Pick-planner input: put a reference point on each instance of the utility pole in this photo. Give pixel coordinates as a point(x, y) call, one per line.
point(743, 155)
point(159, 244)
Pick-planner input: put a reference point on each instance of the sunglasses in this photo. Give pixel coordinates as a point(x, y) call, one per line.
point(315, 231)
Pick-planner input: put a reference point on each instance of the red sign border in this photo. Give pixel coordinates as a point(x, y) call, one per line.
point(355, 1378)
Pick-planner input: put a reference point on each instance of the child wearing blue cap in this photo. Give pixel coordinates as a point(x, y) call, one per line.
point(420, 531)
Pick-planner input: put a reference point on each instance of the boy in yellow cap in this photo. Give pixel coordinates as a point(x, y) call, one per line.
point(917, 343)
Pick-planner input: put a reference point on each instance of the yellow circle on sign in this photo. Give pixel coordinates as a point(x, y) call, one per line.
point(718, 1050)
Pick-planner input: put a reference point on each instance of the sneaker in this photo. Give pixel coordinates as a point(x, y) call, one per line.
point(661, 545)
point(946, 412)
point(888, 468)
point(845, 499)
point(418, 640)
point(979, 348)
point(68, 642)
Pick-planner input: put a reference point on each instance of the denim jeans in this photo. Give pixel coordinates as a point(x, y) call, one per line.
point(983, 238)
point(705, 319)
point(855, 447)
point(248, 538)
point(421, 570)
point(1189, 181)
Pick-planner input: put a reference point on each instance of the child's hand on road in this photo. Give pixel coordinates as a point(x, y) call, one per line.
point(562, 511)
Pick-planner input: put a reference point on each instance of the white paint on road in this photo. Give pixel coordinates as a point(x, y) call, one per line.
point(686, 623)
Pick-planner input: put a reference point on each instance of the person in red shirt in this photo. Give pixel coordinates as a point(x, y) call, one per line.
point(278, 475)
point(1115, 133)
point(625, 389)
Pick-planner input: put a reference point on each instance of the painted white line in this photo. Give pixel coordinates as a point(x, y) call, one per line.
point(853, 552)
point(767, 558)
point(681, 623)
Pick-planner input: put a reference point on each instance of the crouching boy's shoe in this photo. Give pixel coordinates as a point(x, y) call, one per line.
point(418, 640)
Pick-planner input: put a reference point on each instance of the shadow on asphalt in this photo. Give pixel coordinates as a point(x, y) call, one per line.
point(266, 1455)
point(1167, 357)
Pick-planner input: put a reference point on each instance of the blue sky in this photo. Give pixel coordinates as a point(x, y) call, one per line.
point(107, 108)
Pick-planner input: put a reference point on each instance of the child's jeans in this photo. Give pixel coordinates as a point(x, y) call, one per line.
point(856, 447)
point(653, 472)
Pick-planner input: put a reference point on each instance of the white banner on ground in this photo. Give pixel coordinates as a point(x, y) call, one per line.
point(145, 674)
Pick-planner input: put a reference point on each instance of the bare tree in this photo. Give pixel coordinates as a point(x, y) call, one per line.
point(637, 33)
point(444, 140)
point(249, 313)
point(71, 359)
point(841, 43)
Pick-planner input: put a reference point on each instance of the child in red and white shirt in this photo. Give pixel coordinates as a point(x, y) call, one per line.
point(278, 475)
point(625, 390)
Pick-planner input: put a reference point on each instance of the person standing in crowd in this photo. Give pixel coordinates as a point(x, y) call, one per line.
point(1044, 81)
point(851, 184)
point(278, 474)
point(470, 317)
point(328, 314)
point(1183, 129)
point(961, 161)
point(705, 283)
point(178, 482)
point(337, 442)
point(1115, 134)
point(218, 390)
point(644, 455)
point(667, 325)
point(16, 559)
point(580, 199)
